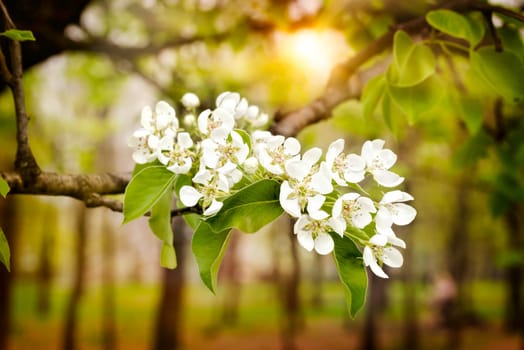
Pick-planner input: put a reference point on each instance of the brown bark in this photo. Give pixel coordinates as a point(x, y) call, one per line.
point(514, 318)
point(8, 222)
point(45, 268)
point(168, 328)
point(70, 332)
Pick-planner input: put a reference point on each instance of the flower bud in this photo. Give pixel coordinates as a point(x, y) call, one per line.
point(251, 165)
point(190, 100)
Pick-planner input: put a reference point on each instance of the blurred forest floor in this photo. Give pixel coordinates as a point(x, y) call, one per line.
point(259, 320)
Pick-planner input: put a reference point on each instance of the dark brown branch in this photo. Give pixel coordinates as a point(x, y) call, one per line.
point(25, 162)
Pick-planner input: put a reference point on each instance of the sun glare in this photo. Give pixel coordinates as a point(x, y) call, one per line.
point(315, 51)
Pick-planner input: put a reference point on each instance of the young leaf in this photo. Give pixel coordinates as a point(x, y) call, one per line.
point(457, 25)
point(351, 272)
point(19, 35)
point(145, 189)
point(160, 224)
point(415, 100)
point(412, 63)
point(471, 112)
point(4, 187)
point(5, 253)
point(503, 71)
point(373, 92)
point(209, 248)
point(168, 256)
point(249, 209)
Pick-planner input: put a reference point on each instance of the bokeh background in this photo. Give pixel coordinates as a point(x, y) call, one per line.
point(82, 280)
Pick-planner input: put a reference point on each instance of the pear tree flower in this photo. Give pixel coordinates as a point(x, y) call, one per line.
point(162, 118)
point(275, 151)
point(306, 186)
point(353, 209)
point(344, 168)
point(380, 250)
point(313, 234)
point(155, 126)
point(219, 150)
point(216, 123)
point(176, 156)
point(393, 210)
point(144, 145)
point(378, 161)
point(233, 103)
point(209, 184)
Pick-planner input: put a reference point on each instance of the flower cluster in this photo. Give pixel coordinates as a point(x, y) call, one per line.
point(220, 147)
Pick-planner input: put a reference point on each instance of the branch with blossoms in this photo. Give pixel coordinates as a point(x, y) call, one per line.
point(239, 176)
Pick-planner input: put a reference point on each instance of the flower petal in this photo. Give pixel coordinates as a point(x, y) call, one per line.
point(387, 178)
point(213, 208)
point(392, 257)
point(305, 239)
point(189, 196)
point(324, 244)
point(403, 214)
point(335, 148)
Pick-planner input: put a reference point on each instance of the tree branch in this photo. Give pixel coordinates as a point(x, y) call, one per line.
point(86, 187)
point(25, 162)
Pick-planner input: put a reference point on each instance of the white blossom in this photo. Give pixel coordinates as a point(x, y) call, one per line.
point(216, 123)
point(344, 168)
point(378, 161)
point(380, 250)
point(313, 234)
point(176, 156)
point(306, 186)
point(274, 152)
point(392, 210)
point(354, 209)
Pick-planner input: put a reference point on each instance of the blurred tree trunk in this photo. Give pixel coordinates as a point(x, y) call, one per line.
point(8, 221)
point(317, 300)
point(45, 268)
point(71, 314)
point(229, 273)
point(376, 302)
point(169, 318)
point(108, 281)
point(458, 259)
point(514, 318)
point(289, 291)
point(411, 334)
point(286, 276)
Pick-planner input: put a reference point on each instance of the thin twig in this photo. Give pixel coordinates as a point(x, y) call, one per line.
point(25, 161)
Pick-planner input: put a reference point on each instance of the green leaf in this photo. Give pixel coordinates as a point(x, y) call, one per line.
point(5, 253)
point(457, 25)
point(394, 117)
point(160, 220)
point(19, 35)
point(168, 256)
point(4, 187)
point(413, 101)
point(502, 71)
point(145, 189)
point(351, 272)
point(209, 248)
point(373, 92)
point(249, 209)
point(471, 112)
point(412, 63)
